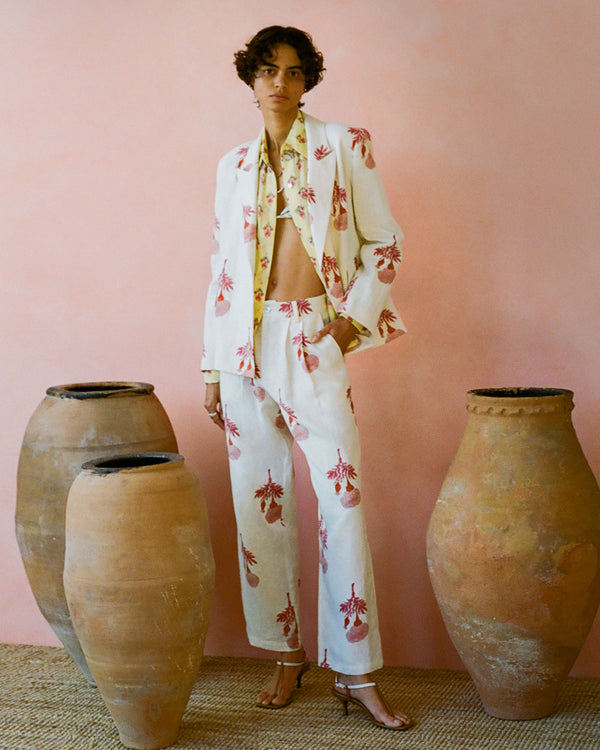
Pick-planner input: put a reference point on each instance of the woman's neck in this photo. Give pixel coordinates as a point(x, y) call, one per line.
point(278, 126)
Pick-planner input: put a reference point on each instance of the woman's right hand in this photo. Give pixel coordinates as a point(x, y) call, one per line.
point(212, 404)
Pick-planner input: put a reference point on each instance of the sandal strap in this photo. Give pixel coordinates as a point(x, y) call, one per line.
point(354, 687)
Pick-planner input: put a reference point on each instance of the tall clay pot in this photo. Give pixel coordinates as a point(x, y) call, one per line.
point(138, 576)
point(73, 424)
point(513, 548)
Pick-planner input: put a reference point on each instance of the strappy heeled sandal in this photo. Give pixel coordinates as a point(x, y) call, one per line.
point(344, 695)
point(304, 667)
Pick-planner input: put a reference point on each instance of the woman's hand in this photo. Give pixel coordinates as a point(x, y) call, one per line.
point(341, 329)
point(212, 404)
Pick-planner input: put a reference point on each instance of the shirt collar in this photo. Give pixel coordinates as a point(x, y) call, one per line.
point(296, 140)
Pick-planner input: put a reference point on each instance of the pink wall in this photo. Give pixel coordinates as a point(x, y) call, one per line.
point(485, 122)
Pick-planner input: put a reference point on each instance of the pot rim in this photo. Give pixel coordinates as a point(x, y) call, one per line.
point(100, 389)
point(520, 401)
point(520, 392)
point(131, 462)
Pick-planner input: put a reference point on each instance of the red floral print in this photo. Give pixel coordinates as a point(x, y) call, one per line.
point(225, 284)
point(390, 255)
point(242, 153)
point(246, 354)
point(340, 214)
point(385, 323)
point(349, 397)
point(321, 152)
point(309, 362)
point(325, 664)
point(331, 275)
point(344, 472)
point(287, 308)
point(270, 492)
point(249, 225)
point(249, 560)
point(362, 138)
point(308, 194)
point(355, 607)
point(290, 625)
point(298, 431)
point(322, 545)
point(231, 431)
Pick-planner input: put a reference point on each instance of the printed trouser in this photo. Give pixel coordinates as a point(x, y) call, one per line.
point(302, 394)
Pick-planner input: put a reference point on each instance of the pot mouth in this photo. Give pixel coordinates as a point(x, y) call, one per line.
point(103, 389)
point(516, 402)
point(529, 392)
point(130, 461)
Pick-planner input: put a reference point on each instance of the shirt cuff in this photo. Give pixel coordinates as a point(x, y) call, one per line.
point(211, 376)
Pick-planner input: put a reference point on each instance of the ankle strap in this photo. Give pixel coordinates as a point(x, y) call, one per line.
point(354, 687)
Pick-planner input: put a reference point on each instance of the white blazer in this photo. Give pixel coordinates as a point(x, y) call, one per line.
point(360, 234)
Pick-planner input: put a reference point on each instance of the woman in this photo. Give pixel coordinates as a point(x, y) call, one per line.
point(305, 251)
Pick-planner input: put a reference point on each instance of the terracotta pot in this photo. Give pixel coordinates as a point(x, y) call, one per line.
point(139, 574)
point(73, 424)
point(513, 548)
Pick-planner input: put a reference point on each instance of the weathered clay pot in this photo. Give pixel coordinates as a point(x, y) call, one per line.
point(139, 574)
point(513, 548)
point(73, 424)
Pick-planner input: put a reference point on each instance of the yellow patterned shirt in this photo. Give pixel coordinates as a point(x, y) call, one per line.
point(297, 196)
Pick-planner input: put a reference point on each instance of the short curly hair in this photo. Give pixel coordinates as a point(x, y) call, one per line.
point(260, 49)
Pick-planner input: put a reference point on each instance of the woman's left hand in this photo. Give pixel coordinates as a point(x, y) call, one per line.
point(213, 405)
point(342, 331)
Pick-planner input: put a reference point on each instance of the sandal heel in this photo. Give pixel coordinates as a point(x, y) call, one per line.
point(303, 671)
point(342, 700)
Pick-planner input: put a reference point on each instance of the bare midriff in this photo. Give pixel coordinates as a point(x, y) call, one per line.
point(292, 274)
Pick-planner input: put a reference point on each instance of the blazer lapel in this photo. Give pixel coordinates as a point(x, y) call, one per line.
point(321, 170)
point(247, 179)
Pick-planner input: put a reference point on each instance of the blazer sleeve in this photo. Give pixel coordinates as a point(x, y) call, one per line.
point(221, 189)
point(380, 238)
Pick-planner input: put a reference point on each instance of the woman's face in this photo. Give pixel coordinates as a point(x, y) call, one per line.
point(279, 81)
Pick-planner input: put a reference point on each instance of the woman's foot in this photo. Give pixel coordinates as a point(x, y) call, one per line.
point(287, 676)
point(362, 691)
